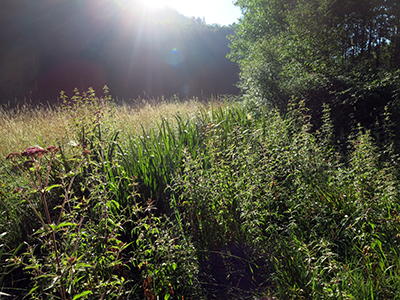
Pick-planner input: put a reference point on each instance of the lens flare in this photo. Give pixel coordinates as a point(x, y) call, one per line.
point(175, 57)
point(149, 4)
point(154, 4)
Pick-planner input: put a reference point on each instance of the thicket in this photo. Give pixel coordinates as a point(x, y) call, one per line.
point(238, 202)
point(342, 52)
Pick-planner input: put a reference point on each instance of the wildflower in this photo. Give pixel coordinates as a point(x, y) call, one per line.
point(53, 149)
point(13, 155)
point(73, 143)
point(34, 151)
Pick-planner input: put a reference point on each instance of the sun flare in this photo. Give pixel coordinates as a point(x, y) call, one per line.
point(154, 4)
point(149, 4)
point(187, 6)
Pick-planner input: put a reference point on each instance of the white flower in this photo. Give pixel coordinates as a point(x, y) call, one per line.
point(73, 143)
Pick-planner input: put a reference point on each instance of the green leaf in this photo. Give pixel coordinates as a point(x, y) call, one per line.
point(32, 290)
point(61, 225)
point(113, 204)
point(49, 188)
point(76, 280)
point(83, 294)
point(174, 266)
point(66, 224)
point(83, 265)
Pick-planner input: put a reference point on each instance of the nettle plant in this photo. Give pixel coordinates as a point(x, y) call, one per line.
point(92, 236)
point(75, 249)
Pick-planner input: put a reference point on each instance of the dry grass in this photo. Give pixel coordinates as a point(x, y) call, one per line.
point(26, 127)
point(131, 119)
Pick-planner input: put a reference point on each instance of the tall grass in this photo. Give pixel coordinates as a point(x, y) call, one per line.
point(230, 201)
point(26, 126)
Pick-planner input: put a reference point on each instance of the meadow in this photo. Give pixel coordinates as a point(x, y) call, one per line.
point(186, 200)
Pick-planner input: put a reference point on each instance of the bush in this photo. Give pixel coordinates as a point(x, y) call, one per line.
point(238, 202)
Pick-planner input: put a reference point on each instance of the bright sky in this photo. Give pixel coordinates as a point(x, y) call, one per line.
point(214, 11)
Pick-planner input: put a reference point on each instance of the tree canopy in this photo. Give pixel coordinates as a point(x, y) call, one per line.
point(342, 52)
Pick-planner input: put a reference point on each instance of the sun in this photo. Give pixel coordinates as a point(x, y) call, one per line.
point(186, 7)
point(154, 4)
point(149, 4)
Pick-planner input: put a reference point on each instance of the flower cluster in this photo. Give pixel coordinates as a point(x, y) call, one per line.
point(33, 152)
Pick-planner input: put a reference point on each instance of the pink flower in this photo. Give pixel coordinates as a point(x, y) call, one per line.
point(34, 151)
point(13, 155)
point(53, 149)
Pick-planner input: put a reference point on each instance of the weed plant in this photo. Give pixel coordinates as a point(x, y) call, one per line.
point(234, 202)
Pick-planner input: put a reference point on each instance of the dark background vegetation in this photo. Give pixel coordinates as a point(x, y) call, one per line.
point(345, 53)
point(48, 46)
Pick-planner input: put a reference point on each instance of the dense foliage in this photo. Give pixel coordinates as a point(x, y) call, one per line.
point(48, 46)
point(238, 202)
point(243, 201)
point(339, 52)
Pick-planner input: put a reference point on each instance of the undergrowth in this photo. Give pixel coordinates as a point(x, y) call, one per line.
point(235, 202)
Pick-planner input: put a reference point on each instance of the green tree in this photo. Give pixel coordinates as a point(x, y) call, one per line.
point(334, 51)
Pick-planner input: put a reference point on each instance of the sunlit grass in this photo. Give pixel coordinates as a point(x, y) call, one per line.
point(182, 185)
point(24, 127)
point(131, 120)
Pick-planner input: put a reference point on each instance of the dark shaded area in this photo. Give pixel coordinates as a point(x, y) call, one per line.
point(336, 52)
point(48, 46)
point(234, 272)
